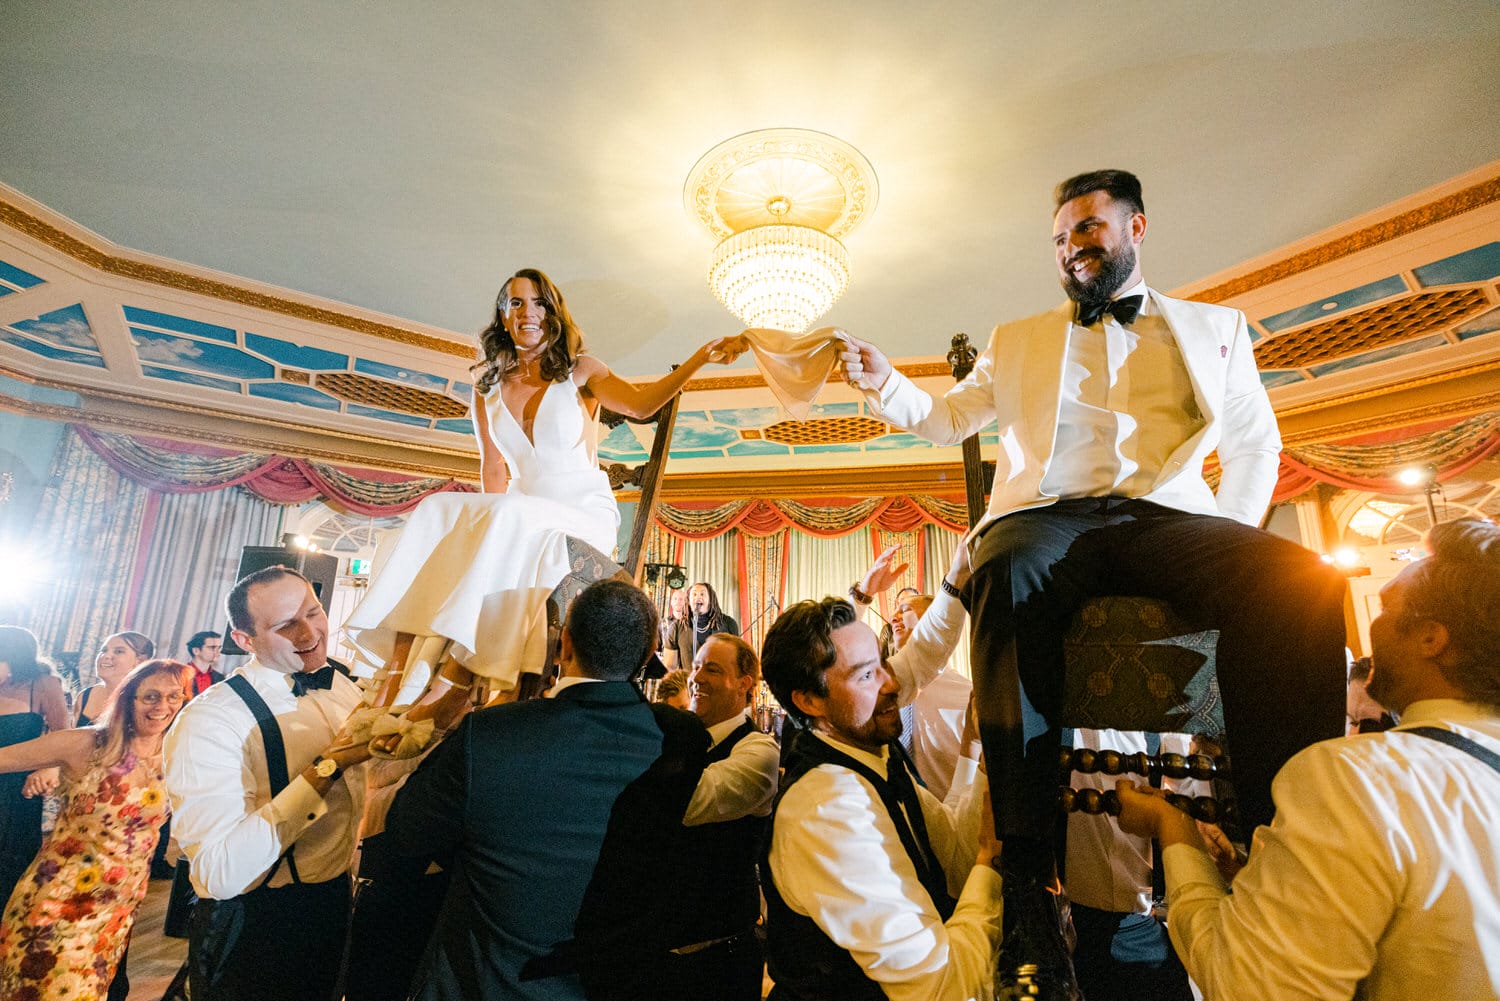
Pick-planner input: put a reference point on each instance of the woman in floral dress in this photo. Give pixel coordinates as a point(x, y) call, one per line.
point(69, 918)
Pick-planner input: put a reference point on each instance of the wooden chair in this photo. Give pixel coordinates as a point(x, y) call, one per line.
point(646, 476)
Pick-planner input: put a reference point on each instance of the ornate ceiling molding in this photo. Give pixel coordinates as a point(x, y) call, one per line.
point(103, 257)
point(1447, 207)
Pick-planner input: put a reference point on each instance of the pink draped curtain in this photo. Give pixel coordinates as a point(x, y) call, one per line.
point(179, 467)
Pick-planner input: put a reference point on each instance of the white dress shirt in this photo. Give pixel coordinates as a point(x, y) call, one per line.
point(1126, 406)
point(937, 728)
point(1108, 869)
point(1379, 878)
point(223, 813)
point(743, 784)
point(838, 860)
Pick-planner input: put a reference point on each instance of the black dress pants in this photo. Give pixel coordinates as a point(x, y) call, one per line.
point(1278, 608)
point(284, 943)
point(395, 912)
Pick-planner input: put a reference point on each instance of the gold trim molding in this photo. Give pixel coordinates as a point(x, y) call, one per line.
point(1456, 204)
point(155, 274)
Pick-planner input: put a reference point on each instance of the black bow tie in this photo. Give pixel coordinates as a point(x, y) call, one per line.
point(1123, 310)
point(306, 681)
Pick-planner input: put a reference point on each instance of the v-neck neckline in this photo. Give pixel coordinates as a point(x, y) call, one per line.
point(530, 438)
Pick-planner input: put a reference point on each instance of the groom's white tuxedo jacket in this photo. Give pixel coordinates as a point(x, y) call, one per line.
point(1018, 379)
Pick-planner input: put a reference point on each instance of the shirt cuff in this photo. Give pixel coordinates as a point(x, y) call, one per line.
point(1185, 866)
point(983, 888)
point(295, 807)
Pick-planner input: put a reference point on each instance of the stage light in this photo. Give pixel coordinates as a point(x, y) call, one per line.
point(1412, 477)
point(24, 574)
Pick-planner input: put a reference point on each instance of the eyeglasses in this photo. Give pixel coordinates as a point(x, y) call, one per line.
point(157, 698)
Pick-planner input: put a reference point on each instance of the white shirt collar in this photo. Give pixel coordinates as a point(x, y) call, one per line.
point(1451, 710)
point(569, 682)
point(875, 761)
point(720, 730)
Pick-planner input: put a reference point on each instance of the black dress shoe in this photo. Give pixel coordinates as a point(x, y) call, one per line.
point(1035, 962)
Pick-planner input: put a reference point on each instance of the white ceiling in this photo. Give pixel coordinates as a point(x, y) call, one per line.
point(405, 157)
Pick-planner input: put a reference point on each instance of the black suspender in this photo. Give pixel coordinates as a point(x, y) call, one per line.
point(1458, 740)
point(275, 748)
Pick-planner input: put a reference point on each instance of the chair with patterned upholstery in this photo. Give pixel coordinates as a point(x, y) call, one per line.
point(1132, 663)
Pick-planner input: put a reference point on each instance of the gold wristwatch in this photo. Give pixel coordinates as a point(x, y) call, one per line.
point(326, 768)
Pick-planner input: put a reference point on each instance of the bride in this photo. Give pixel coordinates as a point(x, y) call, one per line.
point(475, 570)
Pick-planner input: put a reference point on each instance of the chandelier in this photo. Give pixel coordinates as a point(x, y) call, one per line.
point(778, 200)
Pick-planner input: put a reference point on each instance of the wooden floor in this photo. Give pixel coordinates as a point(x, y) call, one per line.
point(154, 958)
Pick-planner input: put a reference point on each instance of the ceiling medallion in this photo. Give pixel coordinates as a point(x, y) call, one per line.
point(778, 201)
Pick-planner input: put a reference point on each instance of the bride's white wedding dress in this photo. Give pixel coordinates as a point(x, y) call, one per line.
point(476, 569)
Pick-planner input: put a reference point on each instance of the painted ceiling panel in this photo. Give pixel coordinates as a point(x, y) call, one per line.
point(12, 275)
point(180, 324)
point(464, 427)
point(192, 379)
point(1383, 354)
point(48, 351)
point(296, 355)
point(359, 410)
point(63, 328)
point(748, 417)
point(1478, 265)
point(291, 393)
point(1334, 305)
point(758, 448)
point(213, 359)
point(621, 441)
point(421, 380)
point(1488, 323)
point(1271, 380)
point(694, 434)
point(897, 441)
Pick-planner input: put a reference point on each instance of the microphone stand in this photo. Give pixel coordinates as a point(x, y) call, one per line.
point(770, 604)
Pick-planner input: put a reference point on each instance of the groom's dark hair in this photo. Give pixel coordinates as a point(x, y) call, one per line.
point(1121, 185)
point(613, 627)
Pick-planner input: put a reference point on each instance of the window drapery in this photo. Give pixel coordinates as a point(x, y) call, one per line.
point(179, 467)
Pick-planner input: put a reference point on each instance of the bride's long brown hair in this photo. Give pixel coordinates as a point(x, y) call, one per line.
point(564, 339)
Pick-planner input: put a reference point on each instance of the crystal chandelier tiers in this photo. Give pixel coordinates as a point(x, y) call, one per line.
point(778, 200)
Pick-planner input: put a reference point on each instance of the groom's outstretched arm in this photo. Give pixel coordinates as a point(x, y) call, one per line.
point(947, 420)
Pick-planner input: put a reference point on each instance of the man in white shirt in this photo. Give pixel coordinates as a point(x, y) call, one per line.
point(269, 830)
point(874, 888)
point(716, 898)
point(1107, 408)
point(1380, 876)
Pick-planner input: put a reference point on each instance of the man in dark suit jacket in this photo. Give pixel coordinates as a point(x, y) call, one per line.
point(518, 801)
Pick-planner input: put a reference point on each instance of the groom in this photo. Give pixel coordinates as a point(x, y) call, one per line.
point(1107, 407)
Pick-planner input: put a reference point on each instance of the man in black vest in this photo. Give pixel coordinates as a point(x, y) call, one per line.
point(267, 794)
point(717, 899)
point(874, 889)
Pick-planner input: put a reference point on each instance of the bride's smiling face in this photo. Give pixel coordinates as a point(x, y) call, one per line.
point(525, 316)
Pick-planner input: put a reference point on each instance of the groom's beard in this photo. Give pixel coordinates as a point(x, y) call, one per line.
point(1114, 269)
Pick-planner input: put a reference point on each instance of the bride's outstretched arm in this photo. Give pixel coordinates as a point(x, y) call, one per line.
point(493, 476)
point(641, 401)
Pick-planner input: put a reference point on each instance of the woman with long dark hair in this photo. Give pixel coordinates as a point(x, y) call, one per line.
point(68, 920)
point(475, 570)
point(118, 655)
point(31, 702)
